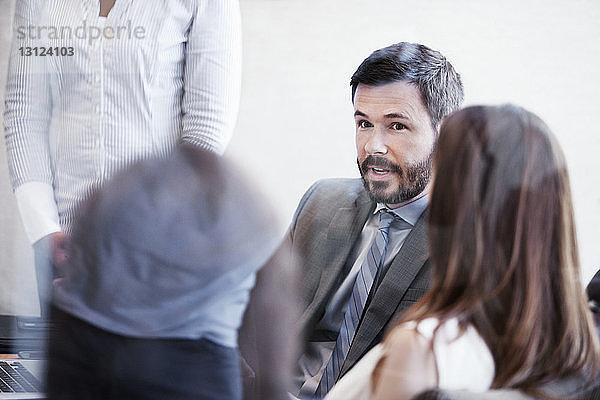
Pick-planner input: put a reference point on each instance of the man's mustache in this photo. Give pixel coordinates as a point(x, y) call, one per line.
point(379, 162)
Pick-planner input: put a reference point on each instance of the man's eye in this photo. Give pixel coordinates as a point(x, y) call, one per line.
point(397, 126)
point(364, 124)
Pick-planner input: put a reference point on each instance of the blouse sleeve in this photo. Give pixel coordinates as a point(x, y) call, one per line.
point(212, 77)
point(28, 102)
point(39, 214)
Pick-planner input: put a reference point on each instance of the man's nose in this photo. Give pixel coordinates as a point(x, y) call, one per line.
point(376, 143)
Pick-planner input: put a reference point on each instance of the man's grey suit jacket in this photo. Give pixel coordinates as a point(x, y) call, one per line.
point(326, 226)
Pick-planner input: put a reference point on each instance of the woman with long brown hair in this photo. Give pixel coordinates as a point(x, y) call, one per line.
point(506, 308)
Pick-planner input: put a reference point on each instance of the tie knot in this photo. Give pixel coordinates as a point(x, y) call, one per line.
point(385, 219)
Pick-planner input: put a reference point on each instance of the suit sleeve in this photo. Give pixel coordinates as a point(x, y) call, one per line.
point(303, 202)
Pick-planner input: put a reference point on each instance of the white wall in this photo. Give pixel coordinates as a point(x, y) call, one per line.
point(296, 124)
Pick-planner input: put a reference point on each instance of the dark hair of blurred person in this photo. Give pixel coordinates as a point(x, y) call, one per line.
point(162, 261)
point(503, 247)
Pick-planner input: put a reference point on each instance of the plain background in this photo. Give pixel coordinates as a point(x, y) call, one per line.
point(295, 123)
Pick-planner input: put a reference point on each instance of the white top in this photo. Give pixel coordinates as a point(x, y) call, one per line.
point(113, 91)
point(463, 363)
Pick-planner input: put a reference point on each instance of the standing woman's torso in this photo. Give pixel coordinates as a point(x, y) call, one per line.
point(118, 97)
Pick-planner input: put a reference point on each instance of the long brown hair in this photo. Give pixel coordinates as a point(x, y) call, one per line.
point(503, 247)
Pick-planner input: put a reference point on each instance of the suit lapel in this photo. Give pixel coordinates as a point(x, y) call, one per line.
point(342, 233)
point(398, 278)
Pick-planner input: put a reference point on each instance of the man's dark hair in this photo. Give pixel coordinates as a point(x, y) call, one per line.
point(438, 82)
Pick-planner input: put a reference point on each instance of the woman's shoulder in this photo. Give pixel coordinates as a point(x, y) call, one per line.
point(407, 340)
point(449, 329)
point(425, 328)
point(461, 356)
point(463, 359)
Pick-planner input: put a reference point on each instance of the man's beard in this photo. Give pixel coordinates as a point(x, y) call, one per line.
point(413, 179)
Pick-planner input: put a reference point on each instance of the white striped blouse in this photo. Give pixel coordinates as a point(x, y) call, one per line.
point(87, 97)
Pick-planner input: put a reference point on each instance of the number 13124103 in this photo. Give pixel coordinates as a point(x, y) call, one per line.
point(46, 51)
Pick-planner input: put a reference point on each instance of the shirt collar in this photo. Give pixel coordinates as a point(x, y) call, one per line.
point(409, 212)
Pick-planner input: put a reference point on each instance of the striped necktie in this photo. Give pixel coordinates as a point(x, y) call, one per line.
point(358, 298)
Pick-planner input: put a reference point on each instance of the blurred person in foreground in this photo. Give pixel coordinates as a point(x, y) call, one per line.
point(506, 308)
point(162, 261)
point(94, 86)
point(362, 241)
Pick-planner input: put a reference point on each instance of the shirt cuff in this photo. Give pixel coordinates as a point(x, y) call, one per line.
point(38, 210)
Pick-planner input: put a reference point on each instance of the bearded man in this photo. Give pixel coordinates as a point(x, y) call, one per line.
point(361, 244)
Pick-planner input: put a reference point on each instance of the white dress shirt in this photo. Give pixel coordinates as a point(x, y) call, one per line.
point(151, 74)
